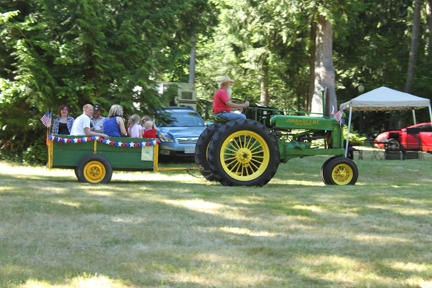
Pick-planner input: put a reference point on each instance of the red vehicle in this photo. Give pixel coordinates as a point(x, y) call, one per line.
point(414, 137)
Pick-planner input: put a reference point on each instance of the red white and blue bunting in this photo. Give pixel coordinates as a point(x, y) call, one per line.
point(103, 141)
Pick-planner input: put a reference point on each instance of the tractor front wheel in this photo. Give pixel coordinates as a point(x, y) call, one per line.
point(323, 166)
point(340, 171)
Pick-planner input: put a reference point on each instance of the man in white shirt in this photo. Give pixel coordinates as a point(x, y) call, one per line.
point(81, 125)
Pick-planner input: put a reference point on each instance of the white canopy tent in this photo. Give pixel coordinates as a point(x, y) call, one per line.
point(384, 99)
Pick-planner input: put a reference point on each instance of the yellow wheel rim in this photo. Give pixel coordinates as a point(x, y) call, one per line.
point(244, 155)
point(94, 172)
point(342, 174)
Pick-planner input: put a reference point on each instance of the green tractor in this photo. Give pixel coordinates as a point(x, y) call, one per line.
point(248, 152)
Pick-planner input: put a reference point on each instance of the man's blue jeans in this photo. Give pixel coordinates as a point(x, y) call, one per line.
point(230, 116)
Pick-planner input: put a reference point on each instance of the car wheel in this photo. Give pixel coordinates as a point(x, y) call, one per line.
point(393, 144)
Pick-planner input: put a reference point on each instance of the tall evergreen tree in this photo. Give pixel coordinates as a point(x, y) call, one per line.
point(86, 51)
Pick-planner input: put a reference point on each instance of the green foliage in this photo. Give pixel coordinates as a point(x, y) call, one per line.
point(369, 49)
point(253, 45)
point(81, 51)
point(355, 138)
point(36, 153)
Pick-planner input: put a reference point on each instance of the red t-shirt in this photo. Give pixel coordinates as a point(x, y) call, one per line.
point(149, 133)
point(219, 99)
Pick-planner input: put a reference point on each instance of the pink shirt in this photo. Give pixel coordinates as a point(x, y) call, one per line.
point(219, 99)
point(134, 131)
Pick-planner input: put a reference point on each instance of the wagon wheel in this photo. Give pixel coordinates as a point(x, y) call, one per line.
point(201, 150)
point(76, 173)
point(94, 169)
point(323, 167)
point(243, 152)
point(340, 171)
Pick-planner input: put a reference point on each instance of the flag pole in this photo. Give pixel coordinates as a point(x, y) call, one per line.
point(46, 138)
point(48, 127)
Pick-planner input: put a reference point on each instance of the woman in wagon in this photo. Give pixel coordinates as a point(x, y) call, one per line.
point(114, 125)
point(63, 123)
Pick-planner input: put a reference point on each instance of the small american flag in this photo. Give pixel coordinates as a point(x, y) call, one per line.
point(46, 119)
point(338, 116)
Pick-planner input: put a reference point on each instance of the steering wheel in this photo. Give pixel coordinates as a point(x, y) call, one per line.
point(246, 99)
point(237, 101)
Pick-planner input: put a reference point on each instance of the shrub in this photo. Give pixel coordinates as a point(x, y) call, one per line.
point(354, 138)
point(36, 153)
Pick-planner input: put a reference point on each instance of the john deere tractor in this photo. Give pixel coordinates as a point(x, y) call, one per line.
point(248, 152)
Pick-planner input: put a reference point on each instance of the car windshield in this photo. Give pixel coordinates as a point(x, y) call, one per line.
point(175, 118)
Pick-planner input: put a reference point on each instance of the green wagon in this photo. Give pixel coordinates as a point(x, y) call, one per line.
point(94, 159)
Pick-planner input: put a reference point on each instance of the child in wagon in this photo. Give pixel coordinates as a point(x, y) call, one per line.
point(149, 128)
point(134, 129)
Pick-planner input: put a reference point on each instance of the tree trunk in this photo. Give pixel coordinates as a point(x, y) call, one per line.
point(312, 49)
point(192, 61)
point(414, 47)
point(429, 25)
point(264, 98)
point(324, 76)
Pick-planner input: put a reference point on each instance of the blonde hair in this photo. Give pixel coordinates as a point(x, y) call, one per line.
point(135, 118)
point(86, 106)
point(147, 122)
point(115, 110)
point(146, 118)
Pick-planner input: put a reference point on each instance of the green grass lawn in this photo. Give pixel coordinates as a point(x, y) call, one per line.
point(175, 229)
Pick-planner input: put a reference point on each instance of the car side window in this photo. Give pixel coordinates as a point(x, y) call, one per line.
point(426, 128)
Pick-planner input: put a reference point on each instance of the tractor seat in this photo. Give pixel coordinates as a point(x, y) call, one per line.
point(217, 119)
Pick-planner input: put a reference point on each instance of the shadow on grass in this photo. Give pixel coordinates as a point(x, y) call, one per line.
point(152, 232)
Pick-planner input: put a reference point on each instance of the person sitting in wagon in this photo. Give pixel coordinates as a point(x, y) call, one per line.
point(135, 129)
point(97, 120)
point(114, 125)
point(81, 125)
point(63, 123)
point(149, 128)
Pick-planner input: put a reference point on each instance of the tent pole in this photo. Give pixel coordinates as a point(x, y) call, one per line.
point(430, 113)
point(349, 129)
point(414, 116)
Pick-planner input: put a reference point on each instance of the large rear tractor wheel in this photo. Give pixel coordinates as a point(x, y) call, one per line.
point(340, 171)
point(243, 153)
point(94, 169)
point(201, 150)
